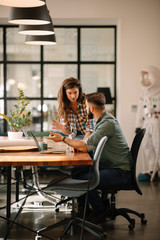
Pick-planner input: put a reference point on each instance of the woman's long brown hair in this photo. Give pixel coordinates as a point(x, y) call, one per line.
point(64, 104)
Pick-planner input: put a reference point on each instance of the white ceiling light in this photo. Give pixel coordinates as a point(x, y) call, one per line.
point(22, 3)
point(41, 40)
point(11, 81)
point(46, 29)
point(29, 16)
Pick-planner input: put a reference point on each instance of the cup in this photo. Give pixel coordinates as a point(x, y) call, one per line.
point(43, 146)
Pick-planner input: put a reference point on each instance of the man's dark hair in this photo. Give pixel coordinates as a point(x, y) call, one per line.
point(97, 98)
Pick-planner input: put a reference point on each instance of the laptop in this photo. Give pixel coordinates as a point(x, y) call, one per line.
point(44, 151)
point(26, 134)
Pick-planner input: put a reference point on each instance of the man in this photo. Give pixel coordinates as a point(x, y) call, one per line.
point(116, 160)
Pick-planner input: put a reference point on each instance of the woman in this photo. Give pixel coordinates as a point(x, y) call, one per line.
point(72, 111)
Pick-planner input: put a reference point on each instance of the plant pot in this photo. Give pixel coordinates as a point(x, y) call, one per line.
point(15, 135)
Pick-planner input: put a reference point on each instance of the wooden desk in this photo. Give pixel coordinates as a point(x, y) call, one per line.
point(35, 158)
point(38, 159)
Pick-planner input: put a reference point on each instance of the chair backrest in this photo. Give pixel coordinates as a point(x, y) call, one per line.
point(134, 151)
point(96, 159)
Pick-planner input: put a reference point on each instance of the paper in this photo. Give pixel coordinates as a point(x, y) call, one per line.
point(17, 142)
point(52, 152)
point(18, 148)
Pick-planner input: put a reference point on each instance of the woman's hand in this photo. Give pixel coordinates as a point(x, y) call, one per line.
point(60, 126)
point(57, 125)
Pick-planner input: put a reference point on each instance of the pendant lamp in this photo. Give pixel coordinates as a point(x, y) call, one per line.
point(29, 16)
point(22, 3)
point(46, 29)
point(41, 40)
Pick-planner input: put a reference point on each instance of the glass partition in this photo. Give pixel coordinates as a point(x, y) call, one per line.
point(1, 81)
point(50, 113)
point(84, 52)
point(23, 76)
point(98, 76)
point(1, 119)
point(35, 109)
point(17, 50)
point(1, 44)
point(94, 76)
point(66, 47)
point(97, 44)
point(54, 74)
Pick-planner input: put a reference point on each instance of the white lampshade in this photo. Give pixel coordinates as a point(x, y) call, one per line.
point(41, 40)
point(46, 29)
point(29, 16)
point(22, 3)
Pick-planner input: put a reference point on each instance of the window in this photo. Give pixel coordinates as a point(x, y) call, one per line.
point(1, 44)
point(84, 52)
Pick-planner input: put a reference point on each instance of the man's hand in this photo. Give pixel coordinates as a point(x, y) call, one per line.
point(55, 137)
point(76, 144)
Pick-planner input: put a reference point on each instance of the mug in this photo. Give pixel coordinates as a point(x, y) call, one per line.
point(43, 146)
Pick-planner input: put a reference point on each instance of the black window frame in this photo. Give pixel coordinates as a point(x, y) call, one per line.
point(42, 62)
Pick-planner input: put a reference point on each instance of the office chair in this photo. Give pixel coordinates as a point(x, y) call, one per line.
point(113, 190)
point(75, 188)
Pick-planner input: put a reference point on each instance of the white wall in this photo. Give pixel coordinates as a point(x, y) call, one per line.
point(138, 24)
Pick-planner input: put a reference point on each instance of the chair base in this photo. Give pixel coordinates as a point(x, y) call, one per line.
point(65, 200)
point(113, 212)
point(125, 213)
point(70, 224)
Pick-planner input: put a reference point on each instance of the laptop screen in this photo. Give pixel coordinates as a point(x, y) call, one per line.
point(36, 141)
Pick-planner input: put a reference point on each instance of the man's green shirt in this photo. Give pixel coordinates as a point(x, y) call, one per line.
point(116, 152)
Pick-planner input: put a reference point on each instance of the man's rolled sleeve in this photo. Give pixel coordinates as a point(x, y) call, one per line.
point(89, 144)
point(103, 130)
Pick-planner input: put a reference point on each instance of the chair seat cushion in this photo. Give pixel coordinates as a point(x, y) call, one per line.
point(69, 187)
point(117, 188)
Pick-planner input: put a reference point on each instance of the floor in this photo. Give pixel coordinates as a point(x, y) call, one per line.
point(34, 215)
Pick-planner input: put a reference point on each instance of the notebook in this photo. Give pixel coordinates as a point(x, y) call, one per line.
point(44, 151)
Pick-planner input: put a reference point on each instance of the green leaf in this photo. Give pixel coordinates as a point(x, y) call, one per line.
point(4, 116)
point(18, 116)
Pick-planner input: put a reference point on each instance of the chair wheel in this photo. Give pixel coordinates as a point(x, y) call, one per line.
point(57, 210)
point(142, 215)
point(104, 236)
point(143, 221)
point(131, 227)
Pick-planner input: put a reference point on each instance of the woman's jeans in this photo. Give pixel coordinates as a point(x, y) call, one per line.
point(108, 177)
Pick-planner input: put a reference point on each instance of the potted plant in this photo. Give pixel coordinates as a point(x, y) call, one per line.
point(19, 117)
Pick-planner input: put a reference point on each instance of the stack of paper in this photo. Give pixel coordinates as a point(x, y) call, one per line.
point(17, 142)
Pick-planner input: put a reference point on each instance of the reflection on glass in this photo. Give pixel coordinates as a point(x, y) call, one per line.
point(96, 76)
point(1, 81)
point(54, 76)
point(25, 77)
point(1, 107)
point(50, 113)
point(1, 119)
point(97, 44)
point(1, 44)
point(66, 47)
point(35, 114)
point(17, 50)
